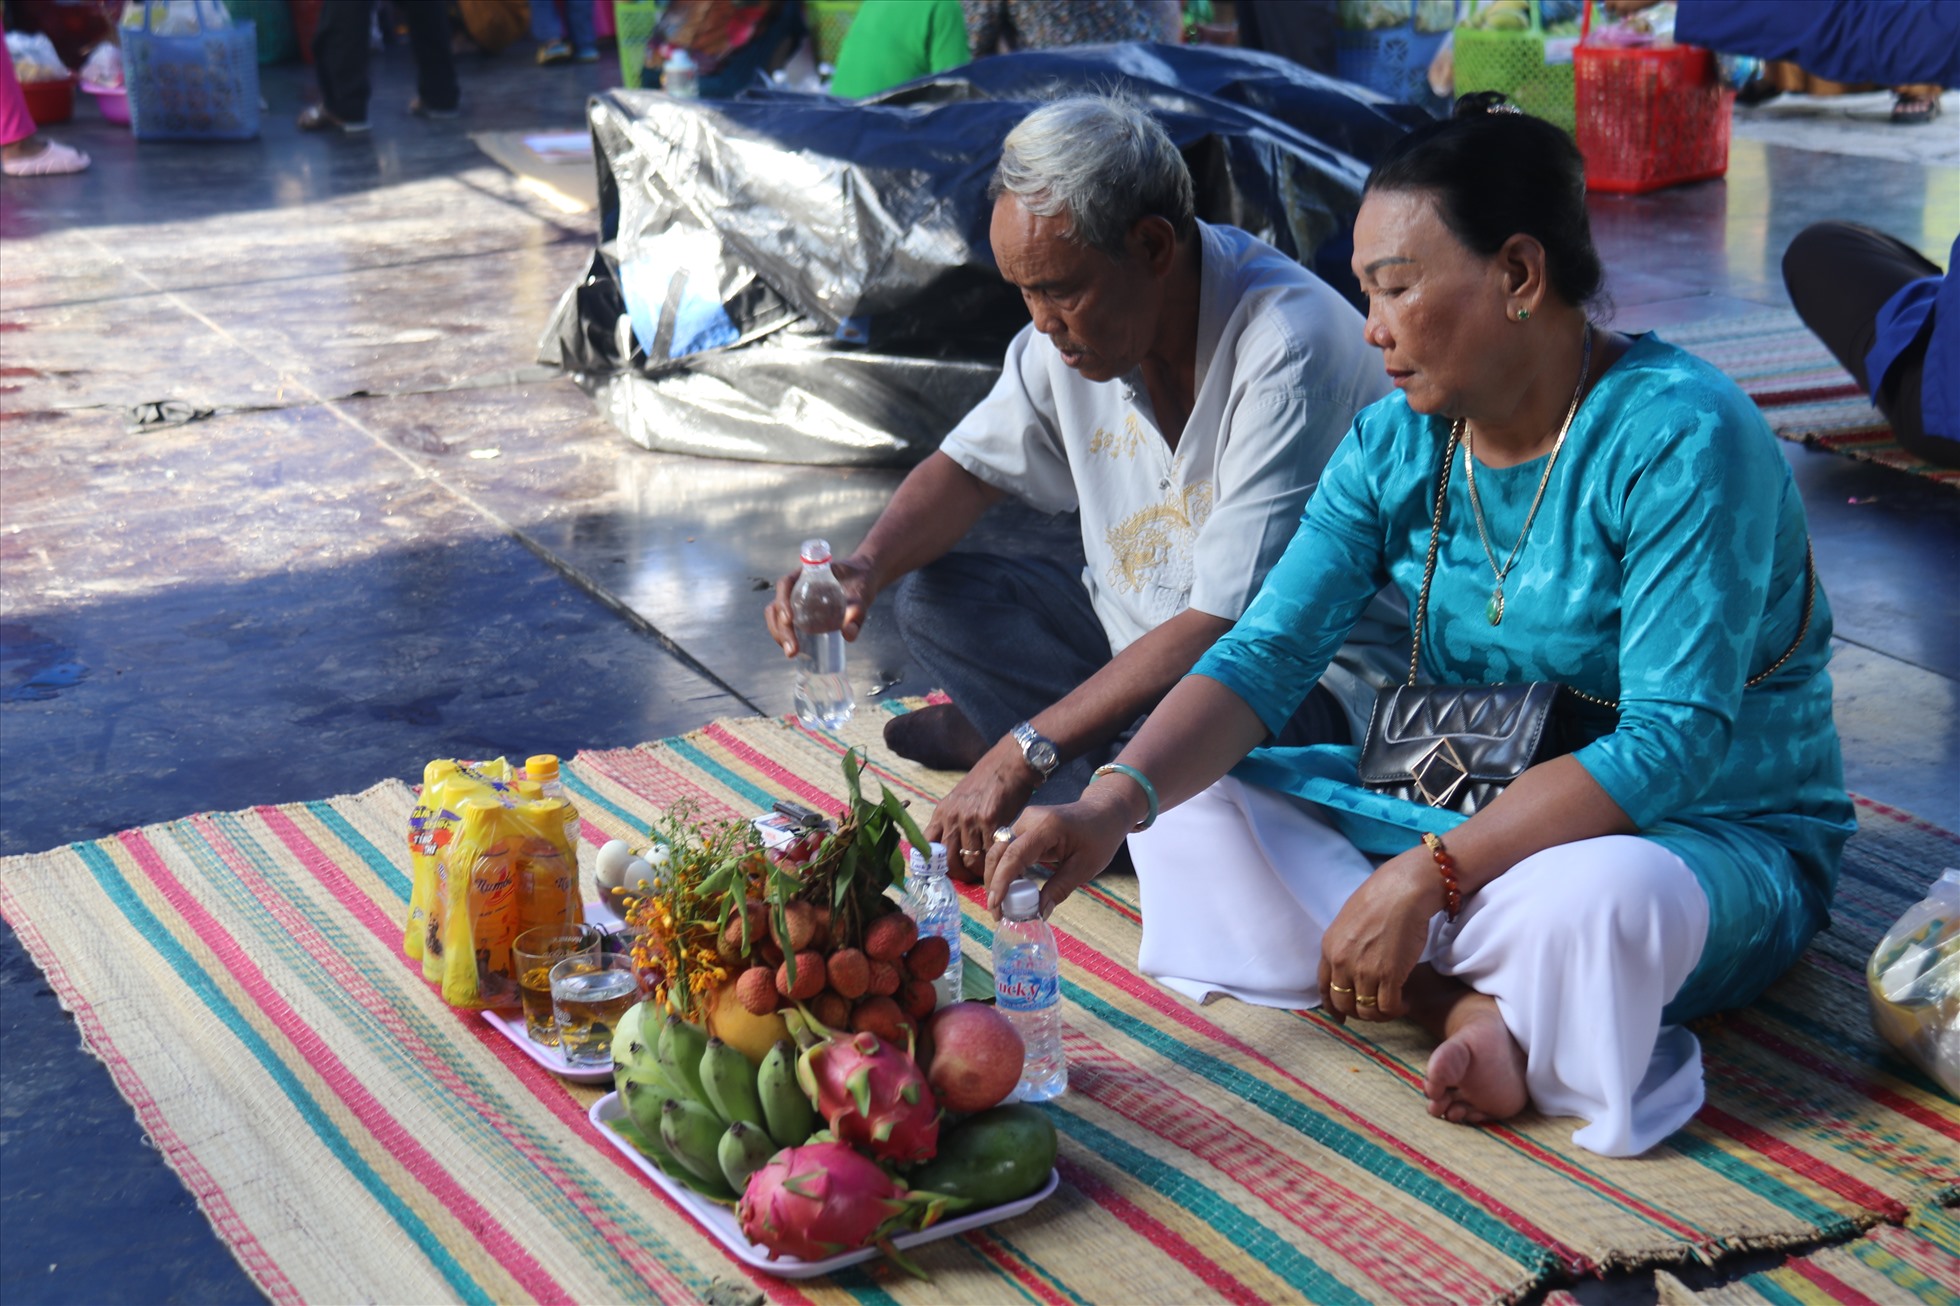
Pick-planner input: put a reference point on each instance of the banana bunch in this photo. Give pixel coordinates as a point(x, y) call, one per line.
point(699, 1109)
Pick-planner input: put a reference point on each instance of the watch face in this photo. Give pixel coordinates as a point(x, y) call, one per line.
point(1041, 756)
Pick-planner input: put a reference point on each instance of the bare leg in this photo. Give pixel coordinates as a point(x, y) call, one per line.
point(1476, 1075)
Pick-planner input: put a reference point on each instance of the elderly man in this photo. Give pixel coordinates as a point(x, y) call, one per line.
point(1181, 385)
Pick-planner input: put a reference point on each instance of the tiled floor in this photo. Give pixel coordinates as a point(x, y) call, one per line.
point(395, 540)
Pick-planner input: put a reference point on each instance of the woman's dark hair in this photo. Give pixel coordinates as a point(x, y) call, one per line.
point(1496, 172)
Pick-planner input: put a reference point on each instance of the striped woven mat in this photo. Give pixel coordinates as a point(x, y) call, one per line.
point(353, 1139)
point(1803, 391)
point(1919, 1262)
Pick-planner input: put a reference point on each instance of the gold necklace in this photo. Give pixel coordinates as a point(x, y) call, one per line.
point(1495, 608)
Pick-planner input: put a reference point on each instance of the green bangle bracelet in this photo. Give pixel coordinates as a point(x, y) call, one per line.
point(1143, 783)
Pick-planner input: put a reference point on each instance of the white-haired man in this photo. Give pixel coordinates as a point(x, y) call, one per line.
point(1181, 386)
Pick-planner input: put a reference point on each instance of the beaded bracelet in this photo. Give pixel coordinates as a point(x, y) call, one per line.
point(1142, 782)
point(1446, 864)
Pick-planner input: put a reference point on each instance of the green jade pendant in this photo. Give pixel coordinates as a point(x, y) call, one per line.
point(1495, 608)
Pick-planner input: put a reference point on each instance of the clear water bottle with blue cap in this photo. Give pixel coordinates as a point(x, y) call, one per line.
point(934, 906)
point(1028, 991)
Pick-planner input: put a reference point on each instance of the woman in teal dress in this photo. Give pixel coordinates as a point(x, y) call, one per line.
point(1616, 518)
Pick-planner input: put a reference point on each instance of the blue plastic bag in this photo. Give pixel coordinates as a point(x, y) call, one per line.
point(201, 85)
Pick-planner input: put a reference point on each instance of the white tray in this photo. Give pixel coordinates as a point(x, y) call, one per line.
point(512, 1028)
point(720, 1220)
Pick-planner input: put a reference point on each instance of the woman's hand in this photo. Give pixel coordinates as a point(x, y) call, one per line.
point(1076, 840)
point(1378, 937)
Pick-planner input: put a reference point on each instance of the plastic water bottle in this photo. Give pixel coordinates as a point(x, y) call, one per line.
point(679, 77)
point(816, 607)
point(934, 906)
point(1028, 991)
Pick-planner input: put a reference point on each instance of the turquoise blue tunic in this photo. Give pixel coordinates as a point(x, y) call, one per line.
point(1664, 568)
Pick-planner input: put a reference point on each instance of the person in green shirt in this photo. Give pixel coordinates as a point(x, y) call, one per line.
point(894, 41)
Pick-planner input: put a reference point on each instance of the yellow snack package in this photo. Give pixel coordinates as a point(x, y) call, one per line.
point(431, 825)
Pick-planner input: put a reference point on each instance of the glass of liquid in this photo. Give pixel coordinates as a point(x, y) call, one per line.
point(589, 995)
point(533, 954)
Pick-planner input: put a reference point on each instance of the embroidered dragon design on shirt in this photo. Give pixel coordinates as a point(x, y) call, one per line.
point(1153, 546)
point(1126, 445)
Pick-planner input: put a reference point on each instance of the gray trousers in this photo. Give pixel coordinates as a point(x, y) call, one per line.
point(1007, 637)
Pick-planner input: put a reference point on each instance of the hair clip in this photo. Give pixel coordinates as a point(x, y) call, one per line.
point(1476, 104)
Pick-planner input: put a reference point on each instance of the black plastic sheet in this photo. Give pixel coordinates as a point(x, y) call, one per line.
point(796, 278)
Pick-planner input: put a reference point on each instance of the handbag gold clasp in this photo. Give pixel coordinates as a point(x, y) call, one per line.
point(1439, 773)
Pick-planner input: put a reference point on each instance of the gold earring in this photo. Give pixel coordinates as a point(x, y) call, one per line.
point(1523, 313)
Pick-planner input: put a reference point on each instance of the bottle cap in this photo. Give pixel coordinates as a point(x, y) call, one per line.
point(529, 790)
point(1023, 901)
point(477, 809)
point(438, 770)
point(543, 767)
point(815, 552)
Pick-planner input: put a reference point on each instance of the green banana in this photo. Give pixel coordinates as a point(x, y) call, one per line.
point(642, 1095)
point(743, 1150)
point(680, 1051)
point(786, 1109)
point(728, 1084)
point(638, 1029)
point(655, 1151)
point(692, 1133)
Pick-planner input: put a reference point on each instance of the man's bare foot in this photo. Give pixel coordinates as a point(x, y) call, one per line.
point(937, 735)
point(1477, 1075)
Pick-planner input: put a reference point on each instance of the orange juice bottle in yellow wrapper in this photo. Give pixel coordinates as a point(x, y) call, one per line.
point(547, 876)
point(547, 859)
point(476, 872)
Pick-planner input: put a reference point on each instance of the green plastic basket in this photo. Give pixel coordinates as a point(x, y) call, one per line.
point(1514, 62)
point(277, 41)
point(633, 21)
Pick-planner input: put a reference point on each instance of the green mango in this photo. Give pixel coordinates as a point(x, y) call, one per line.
point(994, 1157)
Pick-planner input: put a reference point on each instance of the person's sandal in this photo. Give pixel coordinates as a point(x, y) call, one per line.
point(315, 118)
point(555, 52)
point(421, 110)
point(1915, 108)
point(51, 160)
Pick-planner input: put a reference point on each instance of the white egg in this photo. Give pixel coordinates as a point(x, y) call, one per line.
point(609, 867)
point(638, 871)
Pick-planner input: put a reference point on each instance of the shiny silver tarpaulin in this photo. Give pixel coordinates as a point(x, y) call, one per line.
point(795, 278)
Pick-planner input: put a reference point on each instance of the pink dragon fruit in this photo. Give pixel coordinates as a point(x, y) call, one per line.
point(873, 1095)
point(823, 1199)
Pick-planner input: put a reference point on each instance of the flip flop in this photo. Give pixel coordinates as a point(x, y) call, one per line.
point(1915, 109)
point(53, 160)
point(315, 118)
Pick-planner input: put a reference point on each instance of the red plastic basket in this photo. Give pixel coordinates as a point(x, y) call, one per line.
point(1649, 117)
point(49, 102)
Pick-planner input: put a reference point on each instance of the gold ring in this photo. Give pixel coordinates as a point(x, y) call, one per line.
point(1335, 988)
point(1003, 834)
point(1368, 1001)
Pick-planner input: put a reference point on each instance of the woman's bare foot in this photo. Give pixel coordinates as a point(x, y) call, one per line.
point(1477, 1075)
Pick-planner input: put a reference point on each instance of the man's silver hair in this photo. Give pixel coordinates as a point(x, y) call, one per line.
point(1102, 162)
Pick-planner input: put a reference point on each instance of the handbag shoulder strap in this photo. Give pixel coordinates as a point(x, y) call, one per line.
point(1435, 533)
point(1429, 573)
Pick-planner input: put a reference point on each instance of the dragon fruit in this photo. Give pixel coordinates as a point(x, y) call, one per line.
point(822, 1199)
point(873, 1095)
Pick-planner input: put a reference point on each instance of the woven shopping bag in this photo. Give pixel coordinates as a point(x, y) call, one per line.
point(198, 85)
point(1534, 70)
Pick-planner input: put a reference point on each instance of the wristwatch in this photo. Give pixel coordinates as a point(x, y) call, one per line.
point(1037, 749)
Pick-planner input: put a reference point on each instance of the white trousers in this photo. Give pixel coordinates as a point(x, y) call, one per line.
point(1581, 945)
